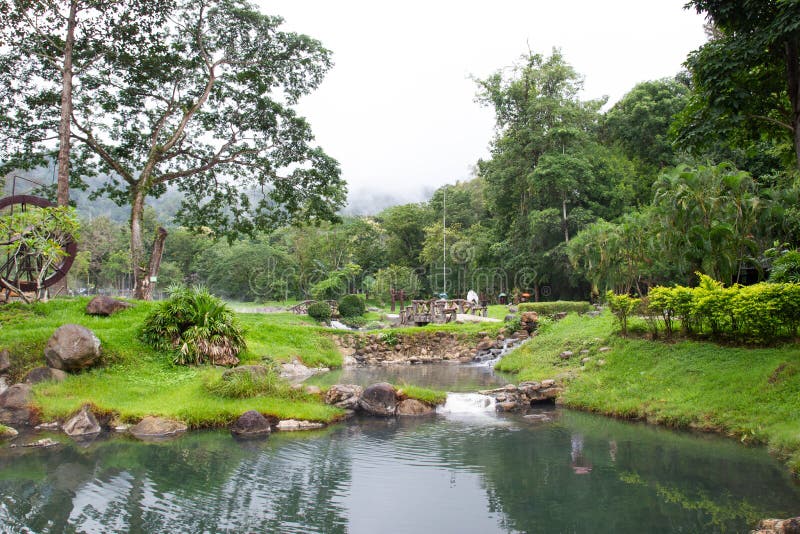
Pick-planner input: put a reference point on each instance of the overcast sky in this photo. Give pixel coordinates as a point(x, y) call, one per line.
point(397, 110)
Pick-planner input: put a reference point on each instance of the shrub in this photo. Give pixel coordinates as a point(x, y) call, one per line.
point(755, 314)
point(194, 324)
point(558, 306)
point(622, 306)
point(515, 324)
point(354, 322)
point(351, 306)
point(321, 311)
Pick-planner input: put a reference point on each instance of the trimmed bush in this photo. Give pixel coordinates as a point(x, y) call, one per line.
point(351, 306)
point(195, 325)
point(558, 306)
point(321, 311)
point(754, 314)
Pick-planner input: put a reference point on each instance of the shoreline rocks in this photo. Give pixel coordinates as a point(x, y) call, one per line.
point(251, 424)
point(82, 424)
point(15, 406)
point(379, 399)
point(511, 398)
point(157, 428)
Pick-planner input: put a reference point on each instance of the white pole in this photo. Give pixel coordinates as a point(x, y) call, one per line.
point(444, 240)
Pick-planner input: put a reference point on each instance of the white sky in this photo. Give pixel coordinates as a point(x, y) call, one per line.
point(397, 109)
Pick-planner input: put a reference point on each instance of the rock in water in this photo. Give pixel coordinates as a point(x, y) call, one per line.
point(379, 399)
point(344, 395)
point(251, 424)
point(413, 407)
point(102, 305)
point(157, 427)
point(71, 348)
point(14, 409)
point(292, 425)
point(43, 374)
point(83, 423)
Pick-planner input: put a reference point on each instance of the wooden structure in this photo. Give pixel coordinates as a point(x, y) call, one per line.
point(438, 311)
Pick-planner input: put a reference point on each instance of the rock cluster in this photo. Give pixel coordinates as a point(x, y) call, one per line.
point(778, 526)
point(529, 321)
point(380, 400)
point(511, 398)
point(423, 347)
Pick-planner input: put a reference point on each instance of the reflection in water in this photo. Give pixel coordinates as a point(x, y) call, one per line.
point(446, 473)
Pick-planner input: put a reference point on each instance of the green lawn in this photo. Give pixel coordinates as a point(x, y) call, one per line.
point(752, 394)
point(135, 380)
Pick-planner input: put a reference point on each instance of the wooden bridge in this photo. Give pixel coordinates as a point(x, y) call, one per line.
point(439, 311)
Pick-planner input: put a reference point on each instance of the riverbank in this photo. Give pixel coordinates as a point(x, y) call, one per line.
point(747, 393)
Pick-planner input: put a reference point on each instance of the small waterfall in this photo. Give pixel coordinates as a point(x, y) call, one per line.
point(494, 355)
point(467, 404)
point(339, 326)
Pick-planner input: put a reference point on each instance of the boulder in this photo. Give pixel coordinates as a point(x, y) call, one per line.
point(344, 395)
point(5, 361)
point(83, 423)
point(14, 409)
point(566, 355)
point(102, 305)
point(312, 390)
point(256, 371)
point(379, 399)
point(8, 432)
point(43, 374)
point(485, 344)
point(293, 425)
point(251, 425)
point(71, 348)
point(157, 427)
point(413, 407)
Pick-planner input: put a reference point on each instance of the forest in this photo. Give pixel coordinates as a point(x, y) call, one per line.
point(683, 176)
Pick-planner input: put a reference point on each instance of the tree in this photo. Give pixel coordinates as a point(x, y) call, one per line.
point(207, 107)
point(49, 46)
point(639, 123)
point(746, 82)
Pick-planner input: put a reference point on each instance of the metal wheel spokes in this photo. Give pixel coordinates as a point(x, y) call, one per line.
point(22, 270)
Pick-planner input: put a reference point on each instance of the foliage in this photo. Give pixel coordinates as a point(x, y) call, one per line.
point(336, 283)
point(389, 338)
point(557, 306)
point(247, 385)
point(321, 311)
point(786, 268)
point(622, 306)
point(195, 325)
point(514, 324)
point(36, 240)
point(760, 313)
point(397, 277)
point(352, 306)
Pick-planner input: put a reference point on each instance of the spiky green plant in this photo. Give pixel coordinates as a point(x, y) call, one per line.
point(196, 326)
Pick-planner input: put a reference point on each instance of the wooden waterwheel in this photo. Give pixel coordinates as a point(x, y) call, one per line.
point(21, 271)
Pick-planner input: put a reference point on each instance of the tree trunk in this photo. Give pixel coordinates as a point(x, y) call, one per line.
point(155, 263)
point(793, 77)
point(137, 246)
point(66, 108)
point(564, 212)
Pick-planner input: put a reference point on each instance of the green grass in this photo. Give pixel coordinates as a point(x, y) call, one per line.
point(751, 394)
point(136, 380)
point(429, 396)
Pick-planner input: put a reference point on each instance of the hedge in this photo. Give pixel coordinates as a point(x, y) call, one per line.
point(755, 314)
point(558, 306)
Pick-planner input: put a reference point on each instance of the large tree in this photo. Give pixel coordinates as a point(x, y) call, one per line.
point(48, 46)
point(207, 107)
point(747, 77)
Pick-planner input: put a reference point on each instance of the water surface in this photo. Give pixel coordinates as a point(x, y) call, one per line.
point(459, 473)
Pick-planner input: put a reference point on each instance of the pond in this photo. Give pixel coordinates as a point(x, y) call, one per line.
point(458, 472)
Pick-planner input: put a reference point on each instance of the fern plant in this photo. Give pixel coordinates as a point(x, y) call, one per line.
point(196, 326)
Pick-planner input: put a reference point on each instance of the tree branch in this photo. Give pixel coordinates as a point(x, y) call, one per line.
point(100, 151)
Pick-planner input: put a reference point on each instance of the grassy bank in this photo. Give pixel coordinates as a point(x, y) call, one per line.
point(748, 393)
point(135, 380)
